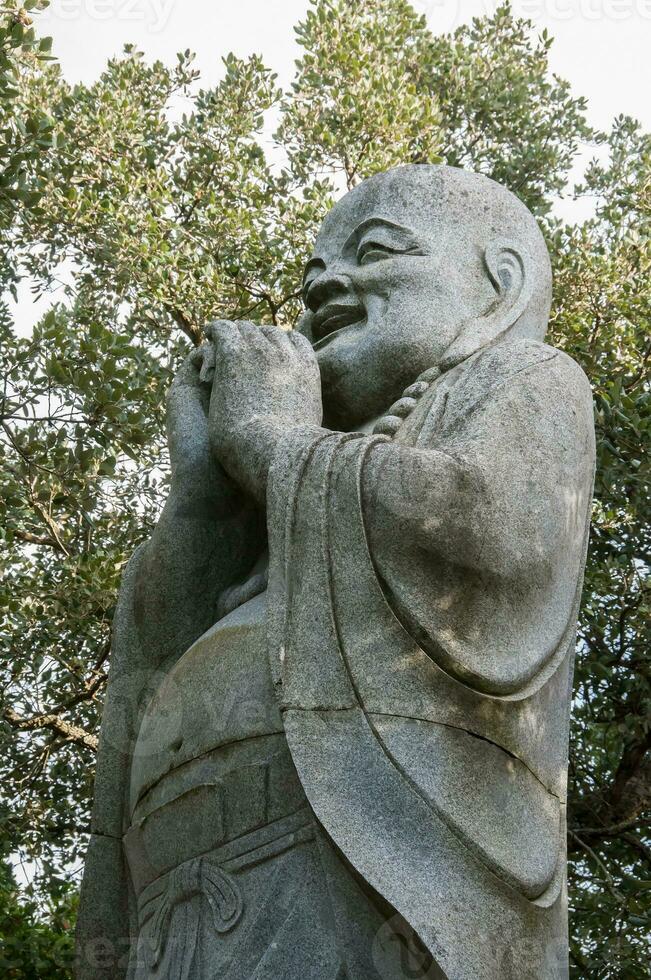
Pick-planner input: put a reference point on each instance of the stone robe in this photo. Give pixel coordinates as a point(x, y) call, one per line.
point(424, 594)
point(421, 614)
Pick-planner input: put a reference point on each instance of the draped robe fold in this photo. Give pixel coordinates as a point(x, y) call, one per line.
point(423, 602)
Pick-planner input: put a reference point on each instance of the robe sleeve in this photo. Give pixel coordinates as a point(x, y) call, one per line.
point(478, 531)
point(383, 677)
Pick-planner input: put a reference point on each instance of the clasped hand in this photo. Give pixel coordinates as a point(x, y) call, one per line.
point(264, 381)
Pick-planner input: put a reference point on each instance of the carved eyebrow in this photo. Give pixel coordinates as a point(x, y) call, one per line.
point(381, 224)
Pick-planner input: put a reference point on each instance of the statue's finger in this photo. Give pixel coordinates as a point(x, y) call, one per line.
point(251, 334)
point(224, 335)
point(276, 336)
point(301, 343)
point(207, 371)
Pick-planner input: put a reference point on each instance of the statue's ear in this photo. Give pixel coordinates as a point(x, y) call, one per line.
point(509, 269)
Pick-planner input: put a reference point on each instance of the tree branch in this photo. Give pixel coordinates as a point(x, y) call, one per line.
point(30, 538)
point(181, 320)
point(70, 732)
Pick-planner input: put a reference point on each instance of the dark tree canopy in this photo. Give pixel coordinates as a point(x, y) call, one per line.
point(144, 205)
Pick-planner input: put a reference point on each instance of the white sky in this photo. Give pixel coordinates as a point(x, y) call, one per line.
point(603, 47)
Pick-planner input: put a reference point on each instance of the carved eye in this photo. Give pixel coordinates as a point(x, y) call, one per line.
point(372, 252)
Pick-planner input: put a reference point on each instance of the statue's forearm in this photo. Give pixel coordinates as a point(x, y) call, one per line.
point(208, 536)
point(258, 441)
point(428, 497)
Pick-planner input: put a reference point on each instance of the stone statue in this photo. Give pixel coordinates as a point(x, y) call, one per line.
point(335, 736)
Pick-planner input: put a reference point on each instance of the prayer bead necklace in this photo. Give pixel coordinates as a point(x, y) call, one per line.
point(389, 424)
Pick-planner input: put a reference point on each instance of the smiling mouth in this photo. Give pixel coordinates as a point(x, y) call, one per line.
point(333, 317)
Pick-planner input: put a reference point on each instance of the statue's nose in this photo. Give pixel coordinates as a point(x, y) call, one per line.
point(329, 285)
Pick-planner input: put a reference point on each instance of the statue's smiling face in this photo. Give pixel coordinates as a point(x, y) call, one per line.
point(335, 288)
point(386, 292)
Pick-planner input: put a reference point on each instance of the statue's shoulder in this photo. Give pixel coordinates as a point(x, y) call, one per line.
point(525, 362)
point(522, 380)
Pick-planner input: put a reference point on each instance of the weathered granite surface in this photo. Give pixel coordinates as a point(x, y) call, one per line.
point(335, 736)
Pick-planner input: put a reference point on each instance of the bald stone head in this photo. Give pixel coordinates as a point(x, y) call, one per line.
point(417, 267)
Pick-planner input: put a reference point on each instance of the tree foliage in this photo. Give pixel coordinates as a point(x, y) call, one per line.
point(34, 946)
point(370, 107)
point(23, 132)
point(602, 316)
point(144, 205)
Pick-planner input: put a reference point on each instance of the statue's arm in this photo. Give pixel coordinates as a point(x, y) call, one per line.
point(503, 492)
point(480, 540)
point(208, 536)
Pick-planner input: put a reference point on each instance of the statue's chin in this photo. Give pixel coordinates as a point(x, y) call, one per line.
point(348, 409)
point(364, 371)
point(334, 418)
point(341, 410)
